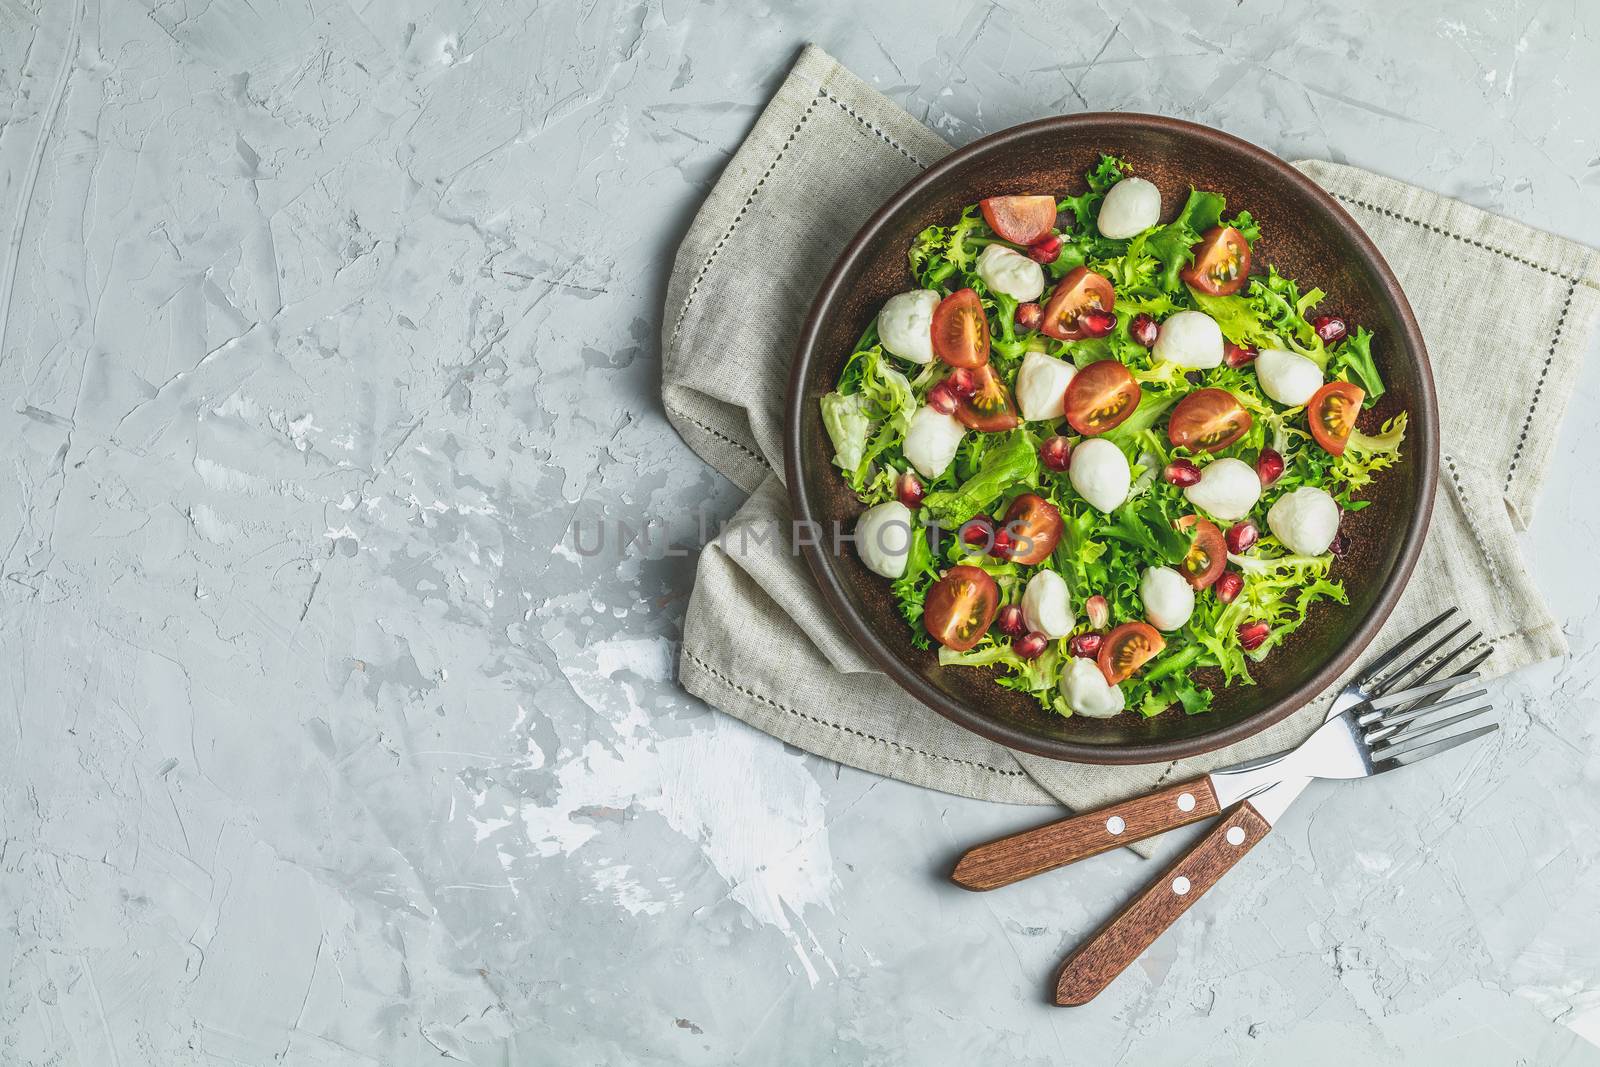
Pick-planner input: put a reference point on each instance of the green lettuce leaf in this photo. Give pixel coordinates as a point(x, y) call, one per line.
point(1245, 223)
point(1353, 357)
point(911, 588)
point(1172, 245)
point(1010, 463)
point(1386, 442)
point(1238, 318)
point(849, 423)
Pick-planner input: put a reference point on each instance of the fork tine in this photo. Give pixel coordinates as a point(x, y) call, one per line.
point(1382, 746)
point(1393, 722)
point(1416, 755)
point(1389, 681)
point(1445, 660)
point(1470, 666)
point(1393, 700)
point(1477, 661)
point(1365, 677)
point(1384, 712)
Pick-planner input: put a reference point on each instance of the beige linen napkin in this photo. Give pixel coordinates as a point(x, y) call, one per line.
point(759, 642)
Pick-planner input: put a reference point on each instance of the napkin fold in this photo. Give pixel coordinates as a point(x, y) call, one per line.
point(760, 643)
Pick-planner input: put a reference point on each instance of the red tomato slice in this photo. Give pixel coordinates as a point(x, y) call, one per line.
point(1081, 290)
point(1019, 219)
point(1221, 264)
point(1332, 411)
point(1208, 420)
point(1035, 526)
point(990, 408)
point(1208, 556)
point(1127, 648)
point(960, 607)
point(1100, 397)
point(960, 330)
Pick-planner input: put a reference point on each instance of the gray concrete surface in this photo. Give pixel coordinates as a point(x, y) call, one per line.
point(322, 324)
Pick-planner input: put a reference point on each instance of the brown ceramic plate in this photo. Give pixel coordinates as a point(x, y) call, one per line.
point(1309, 237)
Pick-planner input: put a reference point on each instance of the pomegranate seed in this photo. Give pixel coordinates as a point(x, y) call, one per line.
point(1143, 330)
point(1228, 586)
point(1004, 544)
point(963, 382)
point(1181, 472)
point(1029, 316)
point(1010, 621)
point(1252, 634)
point(1056, 453)
point(1045, 249)
point(1098, 610)
point(1097, 323)
point(908, 489)
point(1086, 646)
point(1237, 356)
point(942, 399)
point(1341, 544)
point(979, 531)
point(1242, 535)
point(1269, 466)
point(1030, 645)
point(1330, 328)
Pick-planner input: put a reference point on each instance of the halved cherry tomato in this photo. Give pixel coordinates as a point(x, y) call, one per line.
point(1208, 420)
point(990, 408)
point(1127, 648)
point(1332, 411)
point(1221, 262)
point(1035, 525)
point(960, 331)
point(1019, 219)
point(1100, 397)
point(960, 607)
point(1208, 555)
point(1081, 290)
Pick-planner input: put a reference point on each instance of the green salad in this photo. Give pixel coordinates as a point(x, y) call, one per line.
point(1101, 452)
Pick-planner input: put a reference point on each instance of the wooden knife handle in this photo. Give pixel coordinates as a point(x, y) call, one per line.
point(1120, 941)
point(1044, 848)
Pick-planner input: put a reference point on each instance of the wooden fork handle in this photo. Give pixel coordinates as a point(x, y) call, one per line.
point(1044, 848)
point(1120, 941)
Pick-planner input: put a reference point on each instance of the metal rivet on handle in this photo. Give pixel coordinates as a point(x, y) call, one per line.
point(1115, 825)
point(1185, 801)
point(1235, 835)
point(1180, 885)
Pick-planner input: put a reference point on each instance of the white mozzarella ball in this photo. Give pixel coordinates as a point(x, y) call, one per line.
point(932, 440)
point(1042, 385)
point(883, 538)
point(1100, 474)
point(1132, 206)
point(1168, 598)
point(1087, 692)
point(905, 325)
point(1227, 489)
point(1047, 606)
point(1191, 339)
point(1006, 271)
point(1287, 377)
point(1305, 520)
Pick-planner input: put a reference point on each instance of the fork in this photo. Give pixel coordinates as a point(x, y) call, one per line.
point(1359, 742)
point(1382, 704)
point(1372, 726)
